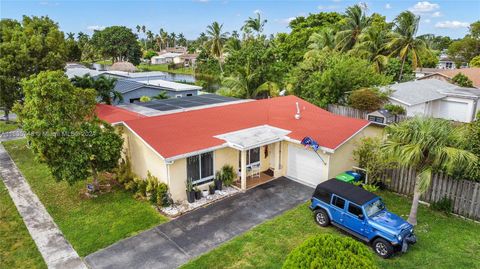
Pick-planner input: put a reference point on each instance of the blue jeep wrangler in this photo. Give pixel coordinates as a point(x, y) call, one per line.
point(362, 214)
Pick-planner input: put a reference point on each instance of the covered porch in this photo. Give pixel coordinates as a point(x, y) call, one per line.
point(259, 154)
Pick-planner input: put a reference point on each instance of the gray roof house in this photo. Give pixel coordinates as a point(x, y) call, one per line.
point(436, 98)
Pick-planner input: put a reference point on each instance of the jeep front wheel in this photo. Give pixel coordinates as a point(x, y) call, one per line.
point(383, 248)
point(321, 217)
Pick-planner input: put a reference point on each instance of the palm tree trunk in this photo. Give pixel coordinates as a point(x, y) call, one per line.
point(412, 217)
point(401, 69)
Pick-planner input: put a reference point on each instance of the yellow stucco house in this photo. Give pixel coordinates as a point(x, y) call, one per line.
point(261, 139)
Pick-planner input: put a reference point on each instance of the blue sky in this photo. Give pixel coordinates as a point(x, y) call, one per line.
point(191, 17)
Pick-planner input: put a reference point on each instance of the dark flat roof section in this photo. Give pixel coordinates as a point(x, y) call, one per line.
point(187, 102)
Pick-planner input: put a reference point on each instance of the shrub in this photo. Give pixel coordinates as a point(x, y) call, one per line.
point(395, 109)
point(145, 99)
point(370, 187)
point(228, 174)
point(369, 156)
point(330, 251)
point(475, 61)
point(149, 54)
point(444, 205)
point(123, 173)
point(367, 99)
point(462, 80)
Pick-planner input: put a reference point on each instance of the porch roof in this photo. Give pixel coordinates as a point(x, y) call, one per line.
point(254, 137)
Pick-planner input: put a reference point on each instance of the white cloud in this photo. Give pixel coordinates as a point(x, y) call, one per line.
point(257, 11)
point(95, 27)
point(452, 24)
point(388, 6)
point(286, 20)
point(329, 7)
point(427, 20)
point(424, 7)
point(436, 14)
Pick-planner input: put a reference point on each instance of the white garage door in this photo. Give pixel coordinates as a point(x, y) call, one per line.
point(304, 165)
point(453, 110)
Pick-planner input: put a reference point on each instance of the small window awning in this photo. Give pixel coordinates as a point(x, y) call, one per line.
point(254, 137)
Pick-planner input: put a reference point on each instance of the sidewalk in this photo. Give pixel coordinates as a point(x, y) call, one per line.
point(55, 249)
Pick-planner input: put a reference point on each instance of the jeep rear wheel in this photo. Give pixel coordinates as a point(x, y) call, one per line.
point(383, 248)
point(321, 217)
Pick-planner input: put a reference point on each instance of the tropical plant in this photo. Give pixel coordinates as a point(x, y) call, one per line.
point(255, 24)
point(244, 84)
point(119, 43)
point(323, 40)
point(404, 43)
point(356, 22)
point(104, 86)
point(216, 41)
point(330, 251)
point(228, 175)
point(372, 47)
point(161, 95)
point(427, 145)
point(145, 99)
point(475, 62)
point(462, 80)
point(369, 156)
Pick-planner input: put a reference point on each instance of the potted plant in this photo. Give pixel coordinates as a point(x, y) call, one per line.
point(211, 189)
point(228, 175)
point(190, 192)
point(218, 180)
point(198, 193)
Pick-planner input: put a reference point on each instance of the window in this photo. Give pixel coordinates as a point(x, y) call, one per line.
point(338, 202)
point(178, 96)
point(200, 168)
point(189, 94)
point(253, 157)
point(355, 210)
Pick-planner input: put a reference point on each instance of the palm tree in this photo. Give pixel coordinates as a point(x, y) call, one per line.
point(404, 42)
point(182, 41)
point(71, 36)
point(247, 84)
point(164, 36)
point(427, 145)
point(356, 22)
point(139, 28)
point(172, 38)
point(254, 24)
point(144, 29)
point(149, 36)
point(217, 39)
point(105, 87)
point(372, 47)
point(161, 95)
point(323, 40)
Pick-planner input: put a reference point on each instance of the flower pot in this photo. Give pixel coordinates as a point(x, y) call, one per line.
point(218, 185)
point(211, 190)
point(204, 193)
point(198, 194)
point(190, 196)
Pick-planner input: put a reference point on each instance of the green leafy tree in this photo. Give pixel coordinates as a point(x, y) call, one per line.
point(395, 109)
point(462, 80)
point(64, 131)
point(117, 43)
point(369, 156)
point(427, 145)
point(371, 46)
point(255, 24)
point(323, 40)
point(356, 21)
point(367, 99)
point(465, 49)
point(394, 68)
point(104, 86)
point(35, 44)
point(472, 144)
point(149, 54)
point(216, 40)
point(404, 42)
point(74, 53)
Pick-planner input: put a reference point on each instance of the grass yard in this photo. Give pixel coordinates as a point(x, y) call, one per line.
point(90, 224)
point(444, 241)
point(164, 68)
point(17, 249)
point(7, 127)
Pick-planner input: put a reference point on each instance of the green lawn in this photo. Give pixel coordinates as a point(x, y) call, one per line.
point(164, 68)
point(89, 224)
point(17, 249)
point(444, 241)
point(7, 127)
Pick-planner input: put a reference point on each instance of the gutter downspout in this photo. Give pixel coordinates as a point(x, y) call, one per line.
point(474, 109)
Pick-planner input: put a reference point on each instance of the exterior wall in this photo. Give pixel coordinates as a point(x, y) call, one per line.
point(342, 159)
point(143, 158)
point(178, 179)
point(146, 91)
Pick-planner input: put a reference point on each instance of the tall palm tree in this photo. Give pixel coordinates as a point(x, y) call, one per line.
point(149, 36)
point(144, 29)
point(164, 36)
point(182, 41)
point(173, 38)
point(161, 95)
point(139, 28)
point(371, 46)
point(404, 42)
point(254, 24)
point(356, 22)
point(246, 83)
point(104, 86)
point(323, 40)
point(70, 35)
point(427, 145)
point(217, 39)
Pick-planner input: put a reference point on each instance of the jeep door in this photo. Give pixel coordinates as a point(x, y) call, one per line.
point(337, 209)
point(354, 219)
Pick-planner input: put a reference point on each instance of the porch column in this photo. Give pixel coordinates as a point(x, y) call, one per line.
point(276, 171)
point(243, 169)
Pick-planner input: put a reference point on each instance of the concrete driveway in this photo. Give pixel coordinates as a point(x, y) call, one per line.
point(174, 243)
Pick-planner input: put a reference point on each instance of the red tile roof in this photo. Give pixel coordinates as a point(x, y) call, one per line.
point(472, 73)
point(112, 114)
point(180, 133)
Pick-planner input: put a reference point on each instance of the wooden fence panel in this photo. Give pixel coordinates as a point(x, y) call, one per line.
point(356, 113)
point(465, 195)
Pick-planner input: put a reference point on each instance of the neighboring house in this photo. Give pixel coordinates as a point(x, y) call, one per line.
point(187, 59)
point(133, 90)
point(259, 135)
point(165, 58)
point(436, 98)
point(445, 62)
point(446, 75)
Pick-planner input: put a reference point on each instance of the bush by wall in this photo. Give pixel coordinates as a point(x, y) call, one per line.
point(330, 251)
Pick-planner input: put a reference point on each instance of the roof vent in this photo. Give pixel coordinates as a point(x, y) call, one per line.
point(298, 115)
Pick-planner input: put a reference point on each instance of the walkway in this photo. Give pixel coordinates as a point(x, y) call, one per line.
point(55, 249)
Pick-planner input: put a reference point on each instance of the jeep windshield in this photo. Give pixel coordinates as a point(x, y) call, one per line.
point(374, 207)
